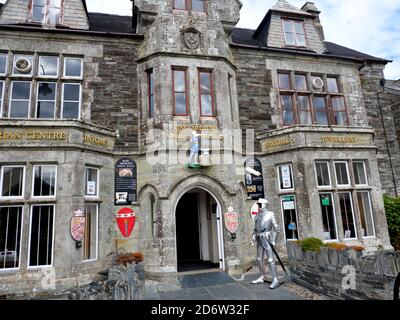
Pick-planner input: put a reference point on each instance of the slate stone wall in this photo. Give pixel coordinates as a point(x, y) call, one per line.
point(380, 117)
point(325, 272)
point(395, 102)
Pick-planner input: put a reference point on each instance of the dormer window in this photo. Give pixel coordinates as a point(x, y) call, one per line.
point(295, 35)
point(190, 5)
point(46, 11)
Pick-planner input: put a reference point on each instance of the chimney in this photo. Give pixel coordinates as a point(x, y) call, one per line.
point(310, 7)
point(134, 17)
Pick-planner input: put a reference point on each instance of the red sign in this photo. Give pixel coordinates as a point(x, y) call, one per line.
point(231, 220)
point(78, 226)
point(126, 221)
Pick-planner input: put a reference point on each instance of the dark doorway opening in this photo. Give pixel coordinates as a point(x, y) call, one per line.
point(193, 233)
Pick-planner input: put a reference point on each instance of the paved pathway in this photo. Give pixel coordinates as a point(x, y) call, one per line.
point(220, 286)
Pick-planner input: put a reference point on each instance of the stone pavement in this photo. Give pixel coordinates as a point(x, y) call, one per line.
point(221, 286)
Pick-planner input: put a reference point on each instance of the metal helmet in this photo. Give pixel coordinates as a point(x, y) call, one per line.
point(263, 202)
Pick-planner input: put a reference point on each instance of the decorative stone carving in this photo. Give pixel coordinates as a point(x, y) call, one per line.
point(192, 38)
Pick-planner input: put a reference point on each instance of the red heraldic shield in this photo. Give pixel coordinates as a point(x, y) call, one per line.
point(231, 220)
point(126, 221)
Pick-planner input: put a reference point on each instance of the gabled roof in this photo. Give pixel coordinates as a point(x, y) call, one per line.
point(254, 39)
point(284, 6)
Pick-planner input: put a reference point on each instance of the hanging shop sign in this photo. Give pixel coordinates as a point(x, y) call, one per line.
point(254, 179)
point(78, 227)
point(125, 182)
point(232, 221)
point(126, 219)
point(254, 211)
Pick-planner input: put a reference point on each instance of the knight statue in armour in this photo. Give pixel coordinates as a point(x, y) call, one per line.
point(265, 234)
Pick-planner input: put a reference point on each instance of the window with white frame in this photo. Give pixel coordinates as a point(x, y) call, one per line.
point(366, 217)
point(294, 33)
point(10, 237)
point(323, 174)
point(46, 11)
point(23, 65)
point(3, 63)
point(289, 210)
point(360, 173)
point(328, 216)
point(20, 99)
point(91, 182)
point(48, 66)
point(285, 177)
point(46, 100)
point(347, 212)
point(342, 174)
point(12, 182)
point(73, 67)
point(1, 97)
point(41, 236)
point(44, 181)
point(71, 101)
point(90, 238)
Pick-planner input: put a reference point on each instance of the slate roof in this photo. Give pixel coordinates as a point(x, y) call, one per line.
point(110, 23)
point(245, 37)
point(284, 6)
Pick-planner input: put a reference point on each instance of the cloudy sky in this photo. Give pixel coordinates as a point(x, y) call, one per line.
point(370, 26)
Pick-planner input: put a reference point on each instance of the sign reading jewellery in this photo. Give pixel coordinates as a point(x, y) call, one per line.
point(254, 179)
point(125, 182)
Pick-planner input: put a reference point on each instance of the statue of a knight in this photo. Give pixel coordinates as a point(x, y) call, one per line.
point(265, 233)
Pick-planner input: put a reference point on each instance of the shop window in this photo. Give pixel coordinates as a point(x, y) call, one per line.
point(73, 68)
point(323, 175)
point(41, 236)
point(20, 99)
point(48, 67)
point(10, 237)
point(294, 33)
point(367, 220)
point(46, 100)
point(23, 65)
point(342, 174)
point(46, 11)
point(320, 111)
point(44, 178)
point(328, 217)
point(71, 101)
point(150, 93)
point(3, 63)
point(12, 182)
point(90, 238)
point(360, 173)
point(180, 92)
point(206, 94)
point(286, 177)
point(92, 182)
point(347, 212)
point(290, 217)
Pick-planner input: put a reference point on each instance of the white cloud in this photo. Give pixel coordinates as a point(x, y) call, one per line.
point(368, 26)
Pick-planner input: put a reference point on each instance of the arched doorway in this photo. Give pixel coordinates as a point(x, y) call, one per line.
point(199, 238)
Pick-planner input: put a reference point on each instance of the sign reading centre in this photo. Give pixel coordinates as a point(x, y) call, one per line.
point(125, 182)
point(254, 179)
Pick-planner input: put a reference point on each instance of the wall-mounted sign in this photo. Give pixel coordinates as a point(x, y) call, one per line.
point(254, 179)
point(125, 182)
point(126, 219)
point(78, 226)
point(286, 177)
point(91, 188)
point(232, 221)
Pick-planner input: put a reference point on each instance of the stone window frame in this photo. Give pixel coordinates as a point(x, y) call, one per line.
point(29, 267)
point(342, 186)
point(63, 84)
point(6, 54)
point(96, 205)
point(293, 21)
point(328, 163)
point(353, 215)
point(51, 197)
point(362, 186)
point(311, 93)
point(97, 195)
point(211, 93)
point(150, 93)
point(186, 92)
point(47, 7)
point(188, 6)
point(66, 58)
point(22, 196)
point(280, 183)
point(21, 230)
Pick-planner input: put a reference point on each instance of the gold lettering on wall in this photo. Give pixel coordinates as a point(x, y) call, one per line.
point(197, 127)
point(34, 135)
point(279, 142)
point(95, 140)
point(337, 139)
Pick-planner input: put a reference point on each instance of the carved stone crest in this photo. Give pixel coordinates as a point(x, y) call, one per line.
point(192, 39)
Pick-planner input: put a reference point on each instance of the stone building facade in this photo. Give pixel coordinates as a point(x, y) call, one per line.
point(82, 91)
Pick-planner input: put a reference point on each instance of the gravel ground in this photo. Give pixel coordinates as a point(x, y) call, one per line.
point(304, 292)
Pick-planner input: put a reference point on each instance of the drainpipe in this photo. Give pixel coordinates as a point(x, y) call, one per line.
point(382, 84)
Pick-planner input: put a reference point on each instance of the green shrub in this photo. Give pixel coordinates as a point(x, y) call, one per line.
point(392, 206)
point(311, 244)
